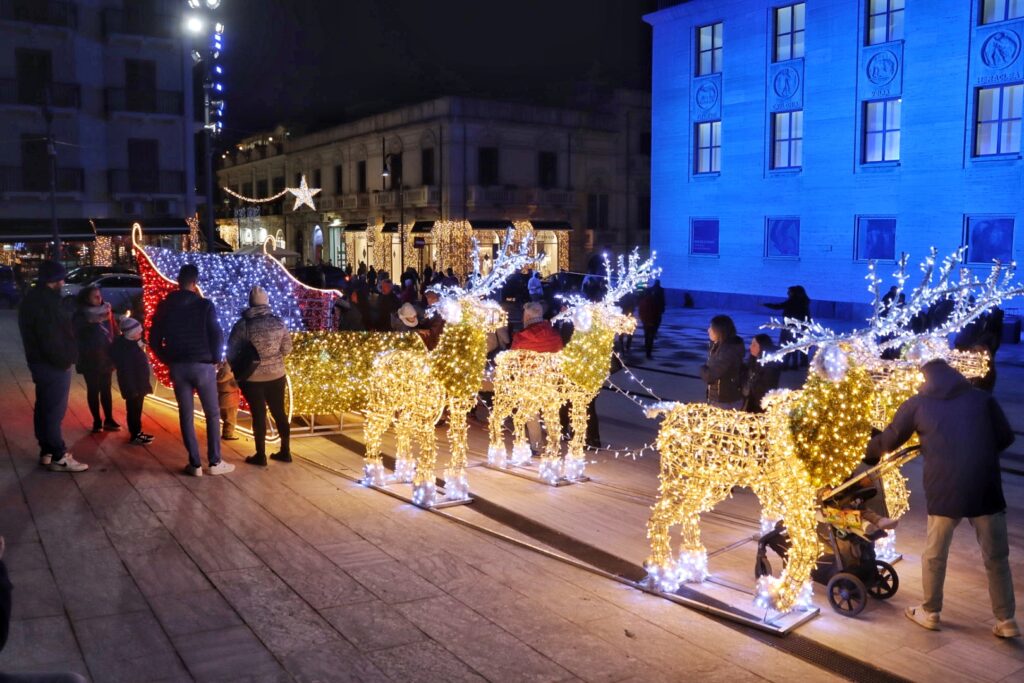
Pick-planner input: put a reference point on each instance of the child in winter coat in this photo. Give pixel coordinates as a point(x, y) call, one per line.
point(229, 397)
point(133, 377)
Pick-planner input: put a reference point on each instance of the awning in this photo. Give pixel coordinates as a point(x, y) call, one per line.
point(422, 226)
point(40, 230)
point(491, 224)
point(390, 227)
point(551, 225)
point(122, 227)
point(355, 227)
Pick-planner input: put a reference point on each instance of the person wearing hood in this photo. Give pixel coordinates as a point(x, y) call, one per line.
point(797, 306)
point(962, 431)
point(535, 287)
point(95, 330)
point(133, 377)
point(760, 377)
point(48, 338)
point(187, 338)
point(722, 372)
point(264, 388)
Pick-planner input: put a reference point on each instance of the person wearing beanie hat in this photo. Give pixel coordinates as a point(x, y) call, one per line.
point(48, 338)
point(263, 386)
point(133, 377)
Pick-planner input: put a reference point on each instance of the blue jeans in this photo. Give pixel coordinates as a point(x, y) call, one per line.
point(52, 387)
point(200, 378)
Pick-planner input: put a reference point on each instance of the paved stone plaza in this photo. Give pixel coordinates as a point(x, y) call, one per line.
point(134, 572)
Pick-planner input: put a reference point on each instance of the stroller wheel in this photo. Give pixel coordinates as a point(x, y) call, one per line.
point(847, 594)
point(887, 581)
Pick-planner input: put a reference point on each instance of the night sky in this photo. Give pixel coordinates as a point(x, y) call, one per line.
point(310, 63)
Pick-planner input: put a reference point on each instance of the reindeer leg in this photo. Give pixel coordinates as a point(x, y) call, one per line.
point(424, 488)
point(456, 485)
point(373, 430)
point(497, 454)
point(521, 451)
point(793, 587)
point(575, 457)
point(405, 466)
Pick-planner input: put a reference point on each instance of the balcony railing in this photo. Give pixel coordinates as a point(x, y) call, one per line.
point(27, 179)
point(422, 195)
point(144, 101)
point(64, 14)
point(139, 23)
point(62, 95)
point(125, 181)
point(491, 195)
point(357, 201)
point(383, 199)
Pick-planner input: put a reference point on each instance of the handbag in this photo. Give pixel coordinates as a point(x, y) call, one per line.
point(246, 360)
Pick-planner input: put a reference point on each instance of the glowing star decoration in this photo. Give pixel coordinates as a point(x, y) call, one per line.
point(527, 383)
point(303, 194)
point(453, 371)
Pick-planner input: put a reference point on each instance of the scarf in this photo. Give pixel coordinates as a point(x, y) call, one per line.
point(97, 314)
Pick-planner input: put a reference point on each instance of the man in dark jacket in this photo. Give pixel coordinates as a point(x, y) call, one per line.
point(962, 431)
point(51, 350)
point(186, 336)
point(652, 308)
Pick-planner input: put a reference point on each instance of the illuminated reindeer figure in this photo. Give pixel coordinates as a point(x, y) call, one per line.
point(529, 383)
point(409, 388)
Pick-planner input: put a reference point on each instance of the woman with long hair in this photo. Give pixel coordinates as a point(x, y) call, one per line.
point(95, 329)
point(722, 373)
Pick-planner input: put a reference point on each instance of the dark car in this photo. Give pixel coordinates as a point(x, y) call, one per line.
point(10, 295)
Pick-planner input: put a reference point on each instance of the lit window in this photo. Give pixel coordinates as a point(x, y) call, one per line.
point(989, 238)
point(876, 239)
point(882, 131)
point(709, 147)
point(1001, 10)
point(789, 32)
point(709, 49)
point(788, 139)
point(885, 21)
point(998, 127)
point(704, 236)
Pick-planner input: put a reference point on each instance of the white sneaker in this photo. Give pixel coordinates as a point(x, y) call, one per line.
point(67, 464)
point(192, 471)
point(928, 620)
point(1007, 629)
point(221, 468)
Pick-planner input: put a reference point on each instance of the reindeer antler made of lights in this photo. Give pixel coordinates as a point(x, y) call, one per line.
point(628, 274)
point(508, 261)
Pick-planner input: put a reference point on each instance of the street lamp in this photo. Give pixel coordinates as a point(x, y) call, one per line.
point(51, 152)
point(213, 109)
point(386, 173)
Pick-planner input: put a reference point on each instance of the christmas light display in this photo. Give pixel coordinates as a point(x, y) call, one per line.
point(103, 251)
point(303, 195)
point(192, 242)
point(524, 384)
point(455, 366)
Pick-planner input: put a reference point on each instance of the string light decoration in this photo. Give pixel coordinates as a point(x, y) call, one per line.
point(193, 242)
point(103, 251)
point(454, 244)
point(456, 365)
point(525, 385)
point(229, 233)
point(303, 195)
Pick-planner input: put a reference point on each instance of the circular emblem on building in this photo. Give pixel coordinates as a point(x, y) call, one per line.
point(707, 95)
point(786, 82)
point(1000, 50)
point(882, 68)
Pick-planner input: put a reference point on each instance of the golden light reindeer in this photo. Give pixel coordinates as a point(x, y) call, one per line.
point(528, 383)
point(409, 387)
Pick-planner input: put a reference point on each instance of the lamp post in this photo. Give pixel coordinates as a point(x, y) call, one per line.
point(196, 24)
point(57, 248)
point(401, 211)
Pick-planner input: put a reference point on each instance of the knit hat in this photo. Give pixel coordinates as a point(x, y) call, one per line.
point(131, 328)
point(533, 312)
point(51, 271)
point(407, 314)
point(258, 296)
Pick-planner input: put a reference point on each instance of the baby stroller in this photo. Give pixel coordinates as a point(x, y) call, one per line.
point(848, 568)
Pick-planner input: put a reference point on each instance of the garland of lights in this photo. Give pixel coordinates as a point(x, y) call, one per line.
point(303, 195)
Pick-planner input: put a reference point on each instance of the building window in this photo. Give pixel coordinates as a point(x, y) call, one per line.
point(487, 166)
point(709, 49)
point(298, 179)
point(547, 170)
point(709, 147)
point(247, 189)
point(317, 178)
point(876, 239)
point(1001, 10)
point(988, 239)
point(277, 185)
point(427, 165)
point(782, 238)
point(704, 236)
point(361, 177)
point(338, 178)
point(882, 131)
point(395, 171)
point(788, 139)
point(789, 32)
point(885, 21)
point(261, 188)
point(597, 211)
point(999, 120)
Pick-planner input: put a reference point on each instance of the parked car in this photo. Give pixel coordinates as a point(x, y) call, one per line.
point(119, 289)
point(10, 295)
point(83, 275)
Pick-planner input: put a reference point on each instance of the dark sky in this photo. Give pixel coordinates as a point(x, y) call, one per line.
point(313, 63)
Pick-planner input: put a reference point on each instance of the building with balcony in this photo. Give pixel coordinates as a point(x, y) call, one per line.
point(456, 167)
point(116, 77)
point(796, 141)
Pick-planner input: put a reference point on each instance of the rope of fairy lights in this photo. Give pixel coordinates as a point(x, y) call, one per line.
point(254, 200)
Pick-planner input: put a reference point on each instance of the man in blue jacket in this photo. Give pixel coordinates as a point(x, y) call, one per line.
point(962, 431)
point(186, 336)
point(51, 350)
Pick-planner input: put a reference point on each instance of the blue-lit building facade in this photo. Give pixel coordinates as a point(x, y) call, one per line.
point(794, 142)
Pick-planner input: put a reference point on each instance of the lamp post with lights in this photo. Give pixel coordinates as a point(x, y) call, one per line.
point(206, 53)
point(388, 172)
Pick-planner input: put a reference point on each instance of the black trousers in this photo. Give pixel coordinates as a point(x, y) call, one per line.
point(97, 392)
point(133, 407)
point(263, 395)
point(650, 332)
